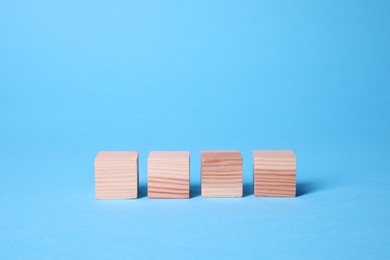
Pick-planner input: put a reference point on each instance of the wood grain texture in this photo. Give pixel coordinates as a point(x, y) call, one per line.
point(169, 175)
point(274, 173)
point(221, 174)
point(116, 175)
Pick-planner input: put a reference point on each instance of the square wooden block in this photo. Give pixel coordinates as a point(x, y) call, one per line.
point(221, 174)
point(274, 173)
point(169, 175)
point(116, 175)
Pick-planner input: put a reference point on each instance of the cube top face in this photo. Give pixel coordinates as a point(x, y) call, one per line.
point(221, 174)
point(116, 175)
point(221, 155)
point(169, 175)
point(274, 173)
point(169, 155)
point(117, 155)
point(274, 154)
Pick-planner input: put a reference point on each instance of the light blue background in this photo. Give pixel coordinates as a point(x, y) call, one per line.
point(77, 77)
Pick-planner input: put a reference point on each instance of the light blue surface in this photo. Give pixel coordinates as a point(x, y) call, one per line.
point(77, 77)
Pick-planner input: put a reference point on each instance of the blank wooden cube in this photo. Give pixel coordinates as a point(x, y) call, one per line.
point(116, 175)
point(221, 174)
point(169, 175)
point(274, 173)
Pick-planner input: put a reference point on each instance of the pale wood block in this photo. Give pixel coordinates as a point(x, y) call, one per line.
point(221, 174)
point(169, 175)
point(116, 175)
point(274, 173)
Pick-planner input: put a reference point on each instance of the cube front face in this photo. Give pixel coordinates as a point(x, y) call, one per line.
point(221, 174)
point(116, 175)
point(274, 173)
point(169, 175)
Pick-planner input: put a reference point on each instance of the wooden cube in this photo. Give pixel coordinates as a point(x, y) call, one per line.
point(116, 175)
point(221, 174)
point(274, 173)
point(169, 175)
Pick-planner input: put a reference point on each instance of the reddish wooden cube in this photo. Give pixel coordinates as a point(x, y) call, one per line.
point(274, 173)
point(169, 175)
point(116, 175)
point(221, 174)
